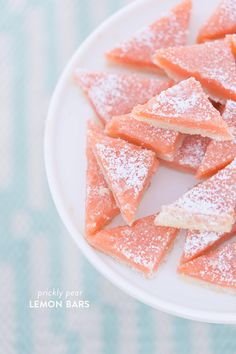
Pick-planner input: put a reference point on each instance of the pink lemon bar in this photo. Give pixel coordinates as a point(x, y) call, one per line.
point(184, 108)
point(142, 246)
point(233, 43)
point(230, 39)
point(127, 169)
point(222, 22)
point(218, 267)
point(220, 153)
point(190, 154)
point(200, 242)
point(113, 94)
point(101, 207)
point(163, 142)
point(211, 63)
point(208, 206)
point(170, 30)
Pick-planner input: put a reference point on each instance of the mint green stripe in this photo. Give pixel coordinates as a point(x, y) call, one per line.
point(182, 336)
point(20, 260)
point(146, 331)
point(52, 43)
point(110, 329)
point(91, 282)
point(19, 253)
point(113, 6)
point(83, 19)
point(20, 146)
point(55, 230)
point(72, 340)
point(223, 339)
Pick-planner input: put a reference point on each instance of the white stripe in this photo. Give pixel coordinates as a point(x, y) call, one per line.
point(16, 6)
point(37, 108)
point(40, 268)
point(98, 13)
point(20, 224)
point(49, 343)
point(164, 335)
point(126, 309)
point(128, 326)
point(85, 322)
point(72, 264)
point(200, 342)
point(40, 265)
point(66, 23)
point(7, 306)
point(6, 111)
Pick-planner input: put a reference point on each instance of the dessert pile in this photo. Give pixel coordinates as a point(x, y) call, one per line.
point(184, 118)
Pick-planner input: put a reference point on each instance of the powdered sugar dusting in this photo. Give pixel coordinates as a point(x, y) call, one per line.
point(100, 203)
point(163, 33)
point(185, 100)
point(197, 241)
point(142, 133)
point(217, 267)
point(170, 30)
point(227, 11)
point(143, 245)
point(192, 151)
point(126, 165)
point(220, 153)
point(229, 116)
point(215, 196)
point(210, 62)
point(116, 94)
point(127, 169)
point(179, 98)
point(222, 21)
point(148, 246)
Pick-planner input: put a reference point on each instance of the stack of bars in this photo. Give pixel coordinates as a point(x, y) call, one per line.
point(185, 118)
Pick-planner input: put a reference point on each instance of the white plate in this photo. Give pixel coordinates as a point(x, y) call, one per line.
point(66, 164)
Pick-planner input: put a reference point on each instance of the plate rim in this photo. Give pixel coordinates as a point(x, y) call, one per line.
point(117, 280)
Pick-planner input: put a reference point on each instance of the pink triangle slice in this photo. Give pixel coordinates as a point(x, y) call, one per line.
point(127, 169)
point(220, 153)
point(163, 142)
point(208, 206)
point(220, 23)
point(233, 44)
point(100, 207)
point(113, 94)
point(184, 108)
point(200, 242)
point(217, 267)
point(143, 246)
point(170, 30)
point(211, 63)
point(190, 154)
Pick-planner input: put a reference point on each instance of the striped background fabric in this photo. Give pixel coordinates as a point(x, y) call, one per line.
point(37, 37)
